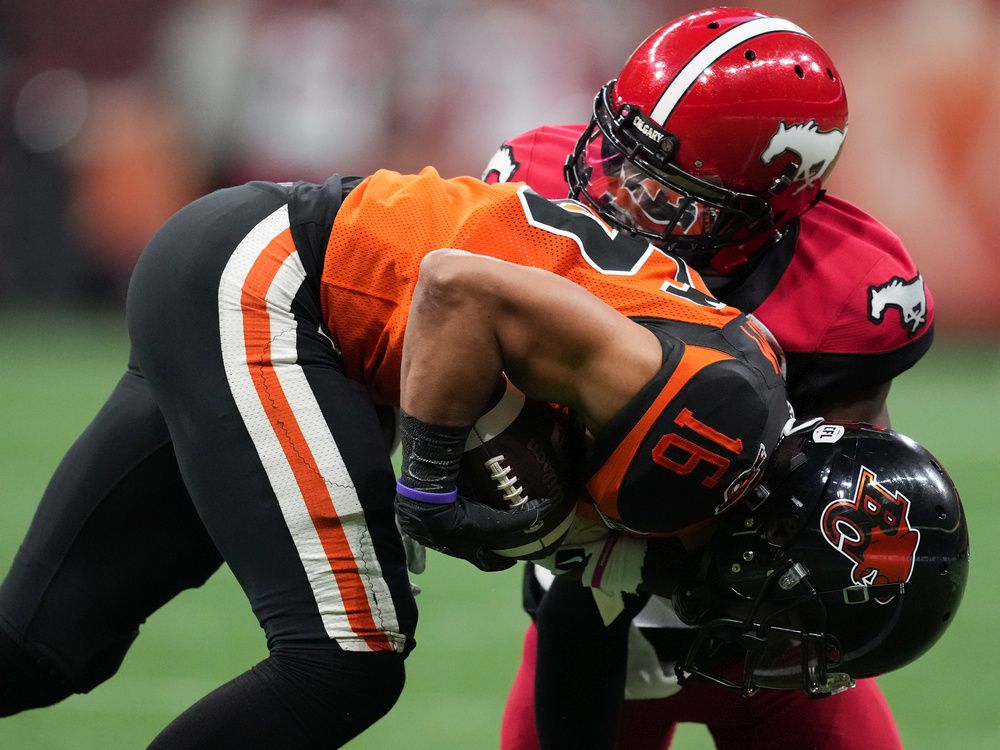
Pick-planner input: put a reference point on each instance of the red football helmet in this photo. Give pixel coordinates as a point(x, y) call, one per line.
point(718, 132)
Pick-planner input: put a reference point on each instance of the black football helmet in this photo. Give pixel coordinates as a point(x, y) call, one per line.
point(850, 562)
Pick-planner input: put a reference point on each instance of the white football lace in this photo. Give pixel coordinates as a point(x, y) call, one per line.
point(507, 485)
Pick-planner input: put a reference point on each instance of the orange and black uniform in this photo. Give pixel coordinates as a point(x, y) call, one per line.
point(705, 419)
point(266, 324)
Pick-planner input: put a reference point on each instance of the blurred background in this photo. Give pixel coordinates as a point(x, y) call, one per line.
point(115, 113)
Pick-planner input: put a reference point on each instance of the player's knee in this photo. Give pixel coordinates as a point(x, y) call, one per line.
point(24, 682)
point(303, 695)
point(323, 682)
point(377, 678)
point(28, 679)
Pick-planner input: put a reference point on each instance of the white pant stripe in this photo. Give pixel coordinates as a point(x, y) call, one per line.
point(309, 419)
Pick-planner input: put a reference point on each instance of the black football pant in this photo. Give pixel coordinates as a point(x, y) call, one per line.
point(234, 436)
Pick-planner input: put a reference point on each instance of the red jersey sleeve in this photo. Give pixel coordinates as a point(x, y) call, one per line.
point(859, 291)
point(537, 158)
point(851, 309)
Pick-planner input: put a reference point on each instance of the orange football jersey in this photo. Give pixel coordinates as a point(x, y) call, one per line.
point(389, 222)
point(689, 445)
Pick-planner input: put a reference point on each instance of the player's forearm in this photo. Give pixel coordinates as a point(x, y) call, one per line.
point(868, 405)
point(473, 317)
point(451, 358)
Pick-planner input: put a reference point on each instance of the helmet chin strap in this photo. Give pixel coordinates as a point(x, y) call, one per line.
point(836, 682)
point(728, 259)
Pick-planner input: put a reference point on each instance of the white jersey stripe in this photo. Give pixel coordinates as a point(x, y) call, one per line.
point(712, 52)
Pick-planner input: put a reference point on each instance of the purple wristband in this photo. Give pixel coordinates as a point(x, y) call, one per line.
point(437, 498)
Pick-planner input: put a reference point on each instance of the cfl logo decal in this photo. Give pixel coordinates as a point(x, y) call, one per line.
point(828, 433)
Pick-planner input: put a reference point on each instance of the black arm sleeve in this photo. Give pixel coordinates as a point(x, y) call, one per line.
point(817, 380)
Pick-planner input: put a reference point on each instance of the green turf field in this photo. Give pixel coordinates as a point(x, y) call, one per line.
point(55, 371)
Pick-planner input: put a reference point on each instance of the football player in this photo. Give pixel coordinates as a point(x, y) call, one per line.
point(714, 142)
point(266, 325)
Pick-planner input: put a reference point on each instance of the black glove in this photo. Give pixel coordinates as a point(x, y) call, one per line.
point(463, 528)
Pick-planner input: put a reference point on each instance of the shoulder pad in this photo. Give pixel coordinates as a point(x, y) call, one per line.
point(850, 288)
point(537, 158)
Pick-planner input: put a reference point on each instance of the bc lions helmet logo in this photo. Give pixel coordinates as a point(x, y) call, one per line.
point(906, 295)
point(501, 166)
point(816, 148)
point(873, 531)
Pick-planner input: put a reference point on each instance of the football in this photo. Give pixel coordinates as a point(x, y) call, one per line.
point(519, 450)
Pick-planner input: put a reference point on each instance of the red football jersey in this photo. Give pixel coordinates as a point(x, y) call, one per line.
point(840, 293)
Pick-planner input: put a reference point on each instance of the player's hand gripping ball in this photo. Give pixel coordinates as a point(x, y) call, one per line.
point(519, 450)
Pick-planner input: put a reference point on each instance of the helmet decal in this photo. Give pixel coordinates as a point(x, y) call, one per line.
point(712, 52)
point(907, 295)
point(873, 531)
point(816, 148)
point(828, 433)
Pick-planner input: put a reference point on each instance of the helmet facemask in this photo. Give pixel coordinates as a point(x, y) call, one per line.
point(781, 641)
point(623, 167)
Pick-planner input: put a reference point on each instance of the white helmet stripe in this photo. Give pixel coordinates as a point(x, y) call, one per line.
point(712, 52)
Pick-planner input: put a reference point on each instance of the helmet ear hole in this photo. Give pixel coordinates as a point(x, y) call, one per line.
point(693, 602)
point(780, 530)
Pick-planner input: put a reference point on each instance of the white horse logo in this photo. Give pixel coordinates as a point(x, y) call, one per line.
point(907, 296)
point(501, 164)
point(816, 149)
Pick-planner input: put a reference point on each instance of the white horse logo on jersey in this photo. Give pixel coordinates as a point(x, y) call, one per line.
point(906, 295)
point(501, 164)
point(816, 148)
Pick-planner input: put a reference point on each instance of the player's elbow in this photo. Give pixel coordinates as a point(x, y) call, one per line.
point(442, 268)
point(454, 278)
